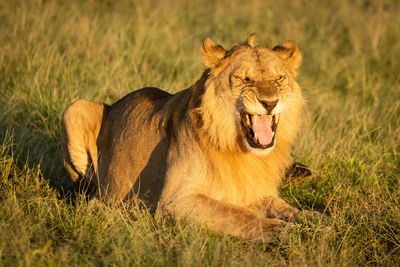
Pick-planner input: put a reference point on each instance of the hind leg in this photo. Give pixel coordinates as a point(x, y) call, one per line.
point(72, 173)
point(81, 126)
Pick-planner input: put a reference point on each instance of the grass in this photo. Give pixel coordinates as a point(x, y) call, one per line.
point(53, 52)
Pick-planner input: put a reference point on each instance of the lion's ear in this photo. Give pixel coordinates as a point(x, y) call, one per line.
point(290, 54)
point(250, 40)
point(212, 53)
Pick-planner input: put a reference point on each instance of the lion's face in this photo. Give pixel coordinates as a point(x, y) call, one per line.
point(253, 88)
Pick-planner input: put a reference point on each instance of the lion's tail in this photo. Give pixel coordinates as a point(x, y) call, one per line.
point(81, 125)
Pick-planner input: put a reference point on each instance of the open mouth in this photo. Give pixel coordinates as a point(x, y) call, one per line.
point(259, 129)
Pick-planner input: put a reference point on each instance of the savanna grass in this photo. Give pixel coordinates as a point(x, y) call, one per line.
point(53, 52)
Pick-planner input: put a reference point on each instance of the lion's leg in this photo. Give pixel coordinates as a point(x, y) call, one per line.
point(276, 207)
point(81, 126)
point(232, 219)
point(72, 172)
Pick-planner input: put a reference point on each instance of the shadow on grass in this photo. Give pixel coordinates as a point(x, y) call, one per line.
point(37, 146)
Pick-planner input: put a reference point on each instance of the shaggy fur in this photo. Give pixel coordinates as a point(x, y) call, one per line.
point(187, 153)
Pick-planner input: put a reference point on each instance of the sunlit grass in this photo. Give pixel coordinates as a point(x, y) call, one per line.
point(53, 52)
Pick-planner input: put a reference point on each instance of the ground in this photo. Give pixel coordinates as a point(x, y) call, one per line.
point(54, 52)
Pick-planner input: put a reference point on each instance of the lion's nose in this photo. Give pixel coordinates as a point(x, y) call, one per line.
point(269, 105)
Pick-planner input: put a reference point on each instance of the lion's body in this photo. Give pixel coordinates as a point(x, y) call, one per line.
point(185, 154)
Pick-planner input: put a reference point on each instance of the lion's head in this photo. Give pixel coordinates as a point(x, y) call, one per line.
point(251, 100)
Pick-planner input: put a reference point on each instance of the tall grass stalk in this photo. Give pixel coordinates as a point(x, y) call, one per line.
point(53, 52)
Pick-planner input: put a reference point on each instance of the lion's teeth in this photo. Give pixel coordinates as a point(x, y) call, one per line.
point(247, 120)
point(255, 137)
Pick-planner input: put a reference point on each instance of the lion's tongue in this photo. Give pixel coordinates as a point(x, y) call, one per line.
point(263, 129)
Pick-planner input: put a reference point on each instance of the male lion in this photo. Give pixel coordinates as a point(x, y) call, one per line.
point(214, 152)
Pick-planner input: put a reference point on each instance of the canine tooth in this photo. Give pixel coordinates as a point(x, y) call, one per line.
point(255, 137)
point(247, 119)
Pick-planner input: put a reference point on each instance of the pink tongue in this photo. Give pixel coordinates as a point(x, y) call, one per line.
point(263, 129)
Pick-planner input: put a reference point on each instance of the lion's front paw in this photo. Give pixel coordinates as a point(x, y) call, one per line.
point(269, 230)
point(288, 214)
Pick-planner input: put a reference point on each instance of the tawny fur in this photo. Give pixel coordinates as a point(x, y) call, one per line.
point(186, 153)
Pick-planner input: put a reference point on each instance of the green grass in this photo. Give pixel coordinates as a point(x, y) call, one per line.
point(53, 52)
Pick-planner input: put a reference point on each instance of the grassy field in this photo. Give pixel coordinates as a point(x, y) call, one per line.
point(53, 52)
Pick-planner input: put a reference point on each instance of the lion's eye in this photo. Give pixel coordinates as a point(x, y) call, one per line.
point(247, 79)
point(280, 78)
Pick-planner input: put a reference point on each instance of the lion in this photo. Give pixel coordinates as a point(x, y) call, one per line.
point(215, 152)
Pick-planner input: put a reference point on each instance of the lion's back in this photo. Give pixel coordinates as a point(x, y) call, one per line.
point(132, 145)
